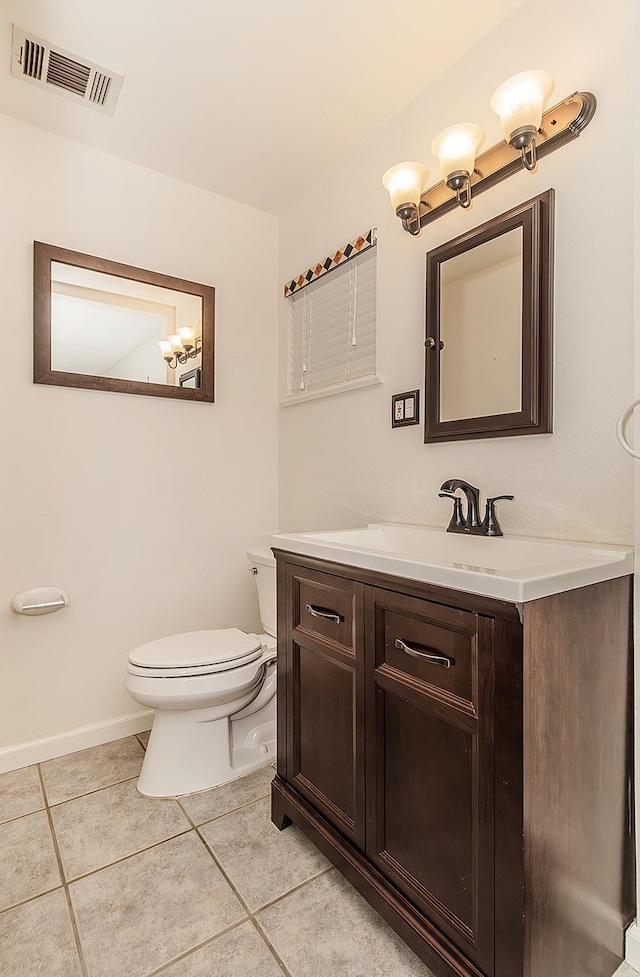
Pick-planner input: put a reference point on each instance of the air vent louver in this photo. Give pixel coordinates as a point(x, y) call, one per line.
point(68, 74)
point(49, 66)
point(33, 59)
point(100, 88)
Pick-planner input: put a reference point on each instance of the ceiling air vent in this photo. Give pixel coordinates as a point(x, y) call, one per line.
point(64, 73)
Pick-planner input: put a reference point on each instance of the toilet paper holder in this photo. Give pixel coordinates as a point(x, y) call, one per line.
point(40, 600)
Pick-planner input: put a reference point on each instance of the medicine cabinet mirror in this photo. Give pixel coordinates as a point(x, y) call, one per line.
point(489, 328)
point(98, 325)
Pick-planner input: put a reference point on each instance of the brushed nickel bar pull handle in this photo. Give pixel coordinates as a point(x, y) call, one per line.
point(437, 659)
point(325, 615)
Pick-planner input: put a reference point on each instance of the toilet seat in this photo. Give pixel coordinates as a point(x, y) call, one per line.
point(195, 653)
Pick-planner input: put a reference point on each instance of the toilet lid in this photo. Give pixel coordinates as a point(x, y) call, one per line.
point(196, 648)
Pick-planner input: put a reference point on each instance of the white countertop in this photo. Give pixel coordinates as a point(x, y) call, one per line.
point(511, 568)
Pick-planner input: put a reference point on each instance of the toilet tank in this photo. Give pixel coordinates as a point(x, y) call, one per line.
point(264, 566)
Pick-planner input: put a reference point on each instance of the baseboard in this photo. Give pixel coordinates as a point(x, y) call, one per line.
point(24, 754)
point(632, 946)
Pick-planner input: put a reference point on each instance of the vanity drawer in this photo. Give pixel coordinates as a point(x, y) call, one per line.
point(325, 607)
point(432, 643)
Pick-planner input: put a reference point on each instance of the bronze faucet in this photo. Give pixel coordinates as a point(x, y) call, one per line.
point(471, 524)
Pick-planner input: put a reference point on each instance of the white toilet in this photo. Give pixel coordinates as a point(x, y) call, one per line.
point(214, 698)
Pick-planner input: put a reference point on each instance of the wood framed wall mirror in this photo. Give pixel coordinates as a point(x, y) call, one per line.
point(489, 347)
point(98, 325)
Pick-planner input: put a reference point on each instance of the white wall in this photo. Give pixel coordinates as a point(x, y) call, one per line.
point(340, 462)
point(141, 507)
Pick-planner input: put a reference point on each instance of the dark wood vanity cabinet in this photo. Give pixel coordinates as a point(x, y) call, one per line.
point(465, 762)
point(324, 738)
point(429, 686)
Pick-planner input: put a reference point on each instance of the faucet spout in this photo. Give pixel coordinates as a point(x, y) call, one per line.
point(472, 495)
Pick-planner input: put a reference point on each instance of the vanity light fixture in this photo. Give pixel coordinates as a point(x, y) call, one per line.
point(180, 348)
point(405, 182)
point(530, 131)
point(456, 149)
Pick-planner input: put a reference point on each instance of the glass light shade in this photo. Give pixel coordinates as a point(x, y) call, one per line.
point(457, 147)
point(176, 344)
point(405, 182)
point(520, 100)
point(165, 347)
point(186, 335)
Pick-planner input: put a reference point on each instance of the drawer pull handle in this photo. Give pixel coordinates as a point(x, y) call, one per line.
point(324, 614)
point(430, 656)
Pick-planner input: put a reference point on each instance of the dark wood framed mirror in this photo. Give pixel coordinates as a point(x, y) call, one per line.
point(98, 324)
point(489, 346)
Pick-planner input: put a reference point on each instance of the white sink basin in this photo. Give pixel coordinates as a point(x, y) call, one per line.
point(515, 568)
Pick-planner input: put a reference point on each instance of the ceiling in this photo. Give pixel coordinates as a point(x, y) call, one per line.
point(252, 99)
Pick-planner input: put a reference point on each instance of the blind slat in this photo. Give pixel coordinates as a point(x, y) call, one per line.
point(324, 318)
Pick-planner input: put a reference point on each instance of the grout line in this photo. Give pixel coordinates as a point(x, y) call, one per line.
point(295, 888)
point(252, 914)
point(25, 815)
point(23, 902)
point(216, 817)
point(249, 912)
point(137, 735)
point(215, 859)
point(95, 790)
point(65, 887)
point(125, 858)
point(263, 936)
point(198, 946)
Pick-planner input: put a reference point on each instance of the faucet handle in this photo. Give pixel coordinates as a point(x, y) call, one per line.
point(457, 519)
point(490, 521)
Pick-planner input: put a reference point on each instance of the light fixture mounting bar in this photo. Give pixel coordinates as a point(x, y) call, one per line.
point(560, 124)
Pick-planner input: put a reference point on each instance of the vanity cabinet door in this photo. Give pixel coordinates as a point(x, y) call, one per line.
point(325, 696)
point(429, 687)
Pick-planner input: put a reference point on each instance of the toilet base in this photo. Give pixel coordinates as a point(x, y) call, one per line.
point(186, 756)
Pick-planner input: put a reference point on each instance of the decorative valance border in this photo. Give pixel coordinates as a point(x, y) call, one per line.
point(362, 243)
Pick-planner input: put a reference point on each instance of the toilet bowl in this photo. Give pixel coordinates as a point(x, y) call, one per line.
point(213, 693)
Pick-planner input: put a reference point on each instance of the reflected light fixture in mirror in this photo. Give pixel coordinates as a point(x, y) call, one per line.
point(181, 347)
point(519, 103)
point(405, 183)
point(98, 324)
point(456, 149)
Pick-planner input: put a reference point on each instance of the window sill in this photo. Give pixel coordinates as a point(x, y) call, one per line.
point(331, 391)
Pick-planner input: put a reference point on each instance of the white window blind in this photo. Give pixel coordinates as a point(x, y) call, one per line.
point(332, 330)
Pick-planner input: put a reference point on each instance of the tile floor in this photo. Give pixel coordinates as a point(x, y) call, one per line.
point(97, 881)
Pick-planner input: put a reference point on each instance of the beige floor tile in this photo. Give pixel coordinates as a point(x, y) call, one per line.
point(99, 828)
point(37, 939)
point(144, 737)
point(213, 803)
point(240, 953)
point(28, 864)
point(262, 862)
point(100, 766)
point(625, 970)
point(326, 927)
point(141, 913)
point(20, 793)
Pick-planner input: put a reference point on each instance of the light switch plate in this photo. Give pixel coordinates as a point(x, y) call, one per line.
point(405, 408)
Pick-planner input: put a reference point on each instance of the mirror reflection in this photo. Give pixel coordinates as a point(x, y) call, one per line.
point(481, 329)
point(103, 325)
point(106, 326)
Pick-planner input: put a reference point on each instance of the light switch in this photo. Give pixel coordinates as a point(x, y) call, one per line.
point(405, 408)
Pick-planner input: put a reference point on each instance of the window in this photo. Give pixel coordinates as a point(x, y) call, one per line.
point(332, 331)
